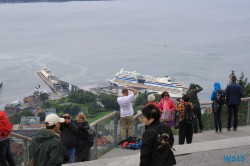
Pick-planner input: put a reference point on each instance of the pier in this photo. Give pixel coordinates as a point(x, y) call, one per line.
point(46, 80)
point(55, 84)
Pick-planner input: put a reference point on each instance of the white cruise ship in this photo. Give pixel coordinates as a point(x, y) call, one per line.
point(156, 84)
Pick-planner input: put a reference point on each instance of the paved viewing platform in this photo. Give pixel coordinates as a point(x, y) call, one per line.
point(208, 148)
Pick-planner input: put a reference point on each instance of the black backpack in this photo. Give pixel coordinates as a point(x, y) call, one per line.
point(92, 135)
point(189, 115)
point(220, 97)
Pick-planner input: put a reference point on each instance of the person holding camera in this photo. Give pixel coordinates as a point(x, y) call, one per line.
point(126, 111)
point(69, 132)
point(184, 107)
point(192, 92)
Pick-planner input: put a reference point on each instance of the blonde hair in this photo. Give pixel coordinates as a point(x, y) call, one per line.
point(81, 118)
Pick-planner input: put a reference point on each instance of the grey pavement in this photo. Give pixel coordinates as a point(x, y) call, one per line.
point(208, 148)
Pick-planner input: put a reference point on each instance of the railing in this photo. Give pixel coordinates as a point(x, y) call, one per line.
point(24, 148)
point(107, 127)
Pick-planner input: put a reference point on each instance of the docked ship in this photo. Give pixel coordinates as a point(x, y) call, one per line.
point(1, 84)
point(153, 84)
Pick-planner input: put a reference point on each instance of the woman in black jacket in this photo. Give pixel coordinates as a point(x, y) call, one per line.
point(83, 139)
point(157, 140)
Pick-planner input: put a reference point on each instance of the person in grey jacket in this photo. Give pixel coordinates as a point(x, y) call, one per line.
point(234, 92)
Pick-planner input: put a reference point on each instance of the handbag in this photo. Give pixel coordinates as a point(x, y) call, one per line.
point(166, 115)
point(32, 160)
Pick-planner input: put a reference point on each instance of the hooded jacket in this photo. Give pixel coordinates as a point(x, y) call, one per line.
point(192, 94)
point(82, 140)
point(216, 88)
point(150, 154)
point(50, 152)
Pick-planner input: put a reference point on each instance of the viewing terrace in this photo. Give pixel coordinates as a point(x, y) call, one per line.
point(208, 147)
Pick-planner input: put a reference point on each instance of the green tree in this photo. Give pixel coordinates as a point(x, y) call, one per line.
point(26, 113)
point(243, 82)
point(44, 96)
point(109, 101)
point(42, 116)
point(92, 110)
point(141, 100)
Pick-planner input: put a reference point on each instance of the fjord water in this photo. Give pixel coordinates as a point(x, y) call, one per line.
point(86, 43)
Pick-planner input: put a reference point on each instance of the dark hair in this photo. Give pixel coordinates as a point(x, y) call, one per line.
point(124, 91)
point(233, 78)
point(151, 111)
point(185, 98)
point(49, 127)
point(165, 93)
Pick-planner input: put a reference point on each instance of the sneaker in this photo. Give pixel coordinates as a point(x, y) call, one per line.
point(235, 129)
point(228, 129)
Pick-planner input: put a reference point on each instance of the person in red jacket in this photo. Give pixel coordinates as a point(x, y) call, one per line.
point(151, 100)
point(167, 108)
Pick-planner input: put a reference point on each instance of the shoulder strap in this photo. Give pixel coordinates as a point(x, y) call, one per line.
point(34, 155)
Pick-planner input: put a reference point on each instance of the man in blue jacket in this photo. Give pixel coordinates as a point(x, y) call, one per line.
point(217, 108)
point(234, 93)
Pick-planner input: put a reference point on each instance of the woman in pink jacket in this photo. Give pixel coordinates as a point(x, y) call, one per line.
point(167, 108)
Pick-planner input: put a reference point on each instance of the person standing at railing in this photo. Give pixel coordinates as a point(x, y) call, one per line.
point(167, 108)
point(192, 92)
point(5, 130)
point(151, 100)
point(83, 140)
point(69, 133)
point(234, 92)
point(46, 147)
point(186, 117)
point(217, 107)
point(157, 140)
point(126, 112)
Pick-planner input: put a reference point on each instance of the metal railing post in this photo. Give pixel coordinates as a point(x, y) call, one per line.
point(26, 152)
point(96, 139)
point(248, 113)
point(136, 127)
point(115, 130)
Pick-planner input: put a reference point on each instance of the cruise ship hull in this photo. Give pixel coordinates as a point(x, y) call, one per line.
point(152, 84)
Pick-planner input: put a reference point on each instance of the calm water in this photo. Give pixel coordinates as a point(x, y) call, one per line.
point(86, 43)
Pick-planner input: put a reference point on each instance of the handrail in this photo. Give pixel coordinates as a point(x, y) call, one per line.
point(21, 136)
point(112, 114)
point(242, 99)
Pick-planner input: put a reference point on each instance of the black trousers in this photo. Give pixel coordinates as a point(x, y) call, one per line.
point(185, 132)
point(232, 109)
point(198, 119)
point(217, 118)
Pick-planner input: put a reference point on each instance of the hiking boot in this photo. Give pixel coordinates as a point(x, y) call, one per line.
point(235, 129)
point(228, 129)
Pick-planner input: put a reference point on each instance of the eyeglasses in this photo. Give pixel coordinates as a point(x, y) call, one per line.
point(166, 95)
point(66, 117)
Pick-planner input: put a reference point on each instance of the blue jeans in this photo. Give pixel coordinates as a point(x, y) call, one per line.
point(71, 155)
